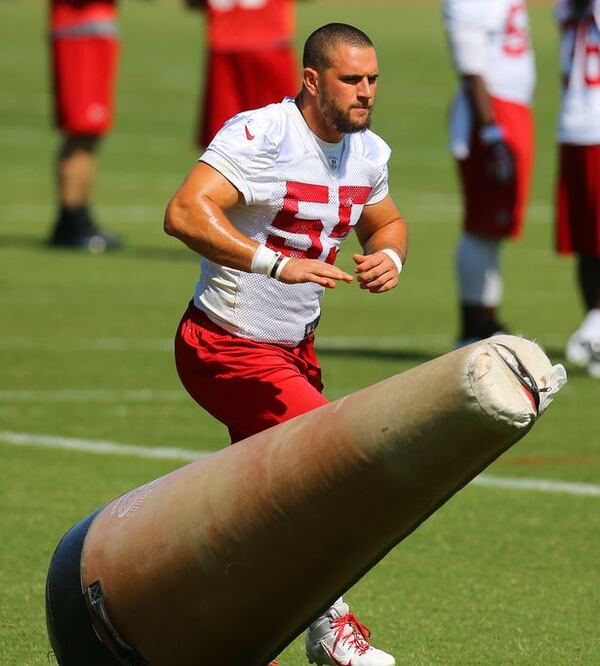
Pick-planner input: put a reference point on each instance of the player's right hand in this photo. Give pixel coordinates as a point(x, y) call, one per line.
point(297, 271)
point(500, 163)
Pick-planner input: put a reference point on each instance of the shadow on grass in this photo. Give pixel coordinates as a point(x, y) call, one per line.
point(379, 354)
point(21, 241)
point(556, 355)
point(127, 251)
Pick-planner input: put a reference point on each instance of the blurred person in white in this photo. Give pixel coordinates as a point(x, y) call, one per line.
point(492, 136)
point(578, 187)
point(267, 207)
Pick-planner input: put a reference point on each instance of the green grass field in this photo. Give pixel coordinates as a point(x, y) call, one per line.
point(497, 576)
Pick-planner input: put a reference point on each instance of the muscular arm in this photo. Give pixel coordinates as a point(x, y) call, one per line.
point(196, 216)
point(380, 227)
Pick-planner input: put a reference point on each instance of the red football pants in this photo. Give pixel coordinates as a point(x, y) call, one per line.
point(578, 200)
point(84, 75)
point(249, 386)
point(489, 209)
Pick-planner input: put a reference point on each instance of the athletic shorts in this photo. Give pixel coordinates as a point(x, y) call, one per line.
point(491, 209)
point(249, 386)
point(84, 75)
point(241, 81)
point(578, 200)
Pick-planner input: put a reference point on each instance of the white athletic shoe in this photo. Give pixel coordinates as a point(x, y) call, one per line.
point(593, 366)
point(338, 639)
point(578, 350)
point(584, 353)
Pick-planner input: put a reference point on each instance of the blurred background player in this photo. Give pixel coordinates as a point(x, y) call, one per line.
point(578, 191)
point(267, 208)
point(491, 130)
point(84, 52)
point(251, 60)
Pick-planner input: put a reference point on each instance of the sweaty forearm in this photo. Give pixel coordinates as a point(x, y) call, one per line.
point(392, 236)
point(203, 227)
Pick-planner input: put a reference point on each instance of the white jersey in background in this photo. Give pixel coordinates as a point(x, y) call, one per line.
point(491, 38)
point(299, 200)
point(579, 121)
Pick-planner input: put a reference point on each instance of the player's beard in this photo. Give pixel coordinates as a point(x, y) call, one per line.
point(340, 118)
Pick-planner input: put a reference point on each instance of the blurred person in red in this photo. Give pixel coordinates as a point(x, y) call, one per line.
point(578, 188)
point(251, 61)
point(491, 129)
point(84, 49)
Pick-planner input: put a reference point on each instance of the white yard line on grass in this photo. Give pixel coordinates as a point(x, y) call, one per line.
point(92, 395)
point(187, 455)
point(99, 446)
point(541, 485)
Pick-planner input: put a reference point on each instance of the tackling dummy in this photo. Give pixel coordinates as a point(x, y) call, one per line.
point(160, 575)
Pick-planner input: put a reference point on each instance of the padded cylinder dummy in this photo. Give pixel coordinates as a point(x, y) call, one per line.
point(226, 560)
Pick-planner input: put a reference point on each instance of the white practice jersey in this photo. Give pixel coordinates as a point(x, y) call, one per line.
point(491, 38)
point(297, 201)
point(579, 121)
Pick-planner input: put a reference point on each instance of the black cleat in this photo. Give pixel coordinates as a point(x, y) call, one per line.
point(76, 230)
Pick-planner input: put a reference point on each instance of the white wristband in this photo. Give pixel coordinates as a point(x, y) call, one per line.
point(268, 262)
point(393, 255)
point(263, 260)
point(491, 134)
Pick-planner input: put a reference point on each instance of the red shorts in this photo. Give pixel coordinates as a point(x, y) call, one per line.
point(241, 81)
point(489, 209)
point(249, 386)
point(84, 75)
point(578, 201)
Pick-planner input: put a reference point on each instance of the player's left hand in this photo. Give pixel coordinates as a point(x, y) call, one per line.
point(501, 167)
point(375, 272)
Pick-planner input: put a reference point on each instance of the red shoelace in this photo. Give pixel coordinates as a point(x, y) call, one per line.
point(358, 638)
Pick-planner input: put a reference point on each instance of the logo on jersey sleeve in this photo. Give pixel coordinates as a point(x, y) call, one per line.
point(249, 135)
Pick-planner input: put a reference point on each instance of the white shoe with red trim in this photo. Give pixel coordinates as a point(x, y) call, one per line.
point(337, 638)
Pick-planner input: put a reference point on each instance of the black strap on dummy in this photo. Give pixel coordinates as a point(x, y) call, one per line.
point(95, 595)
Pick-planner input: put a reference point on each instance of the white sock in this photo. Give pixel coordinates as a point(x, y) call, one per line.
point(477, 268)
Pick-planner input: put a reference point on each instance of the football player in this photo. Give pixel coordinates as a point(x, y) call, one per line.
point(267, 208)
point(578, 190)
point(491, 130)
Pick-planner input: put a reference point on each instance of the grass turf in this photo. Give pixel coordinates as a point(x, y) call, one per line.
point(496, 576)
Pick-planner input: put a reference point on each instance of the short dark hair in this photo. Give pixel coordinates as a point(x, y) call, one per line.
point(323, 40)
